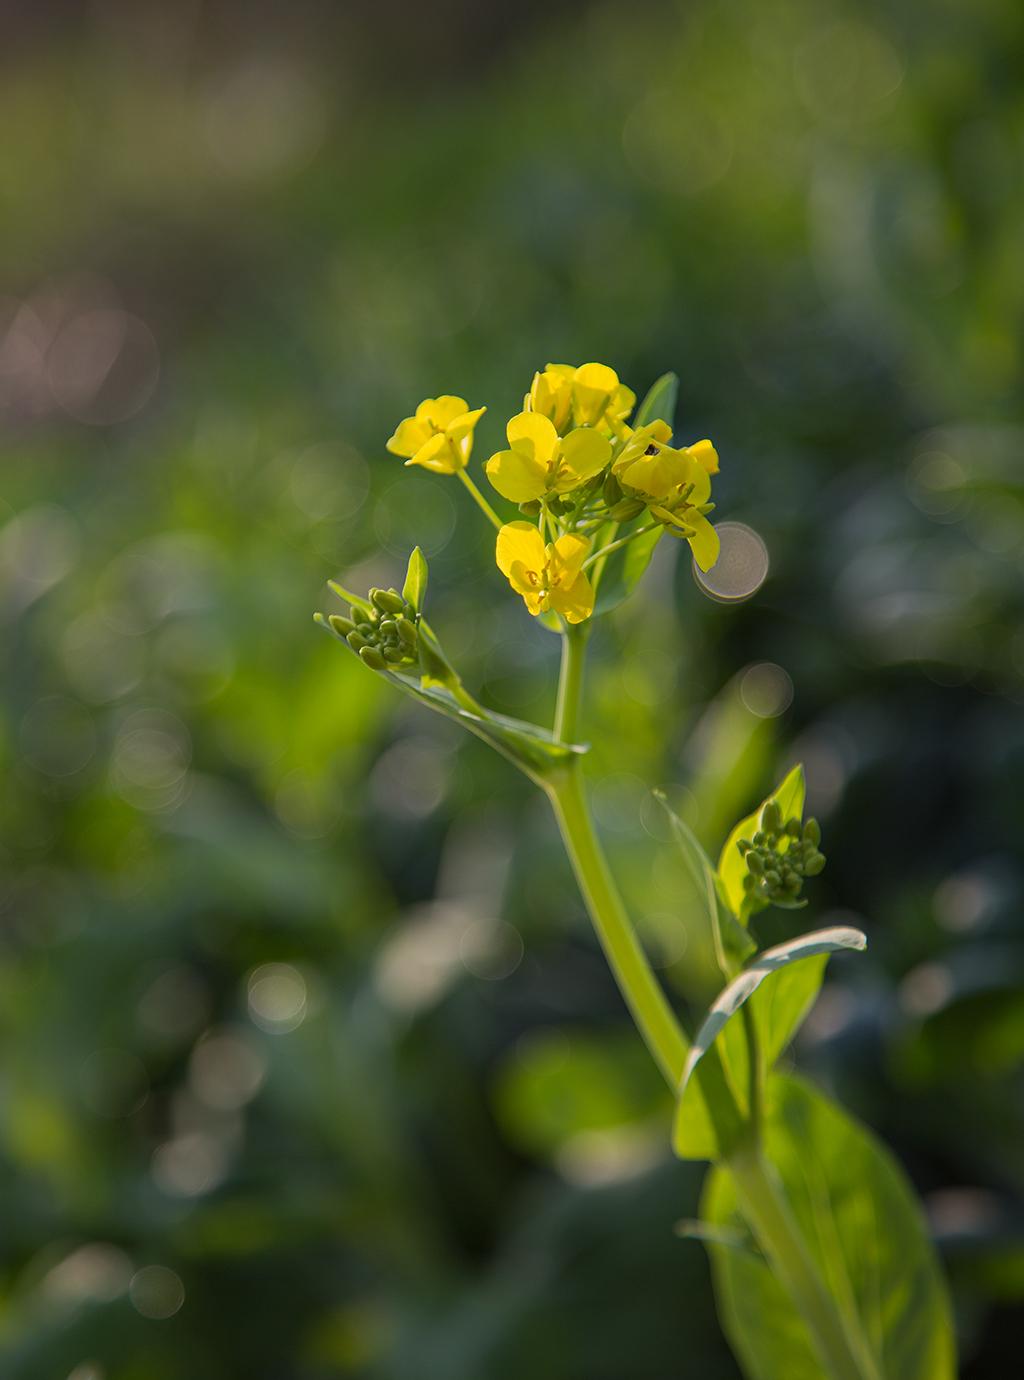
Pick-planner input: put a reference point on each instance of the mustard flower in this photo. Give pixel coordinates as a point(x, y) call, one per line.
point(548, 576)
point(675, 483)
point(439, 437)
point(590, 395)
point(540, 462)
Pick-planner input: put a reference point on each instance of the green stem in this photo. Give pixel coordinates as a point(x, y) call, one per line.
point(570, 681)
point(647, 1002)
point(481, 502)
point(622, 541)
point(770, 1217)
point(755, 1075)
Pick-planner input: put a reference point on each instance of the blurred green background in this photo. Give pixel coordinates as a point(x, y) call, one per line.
point(310, 1064)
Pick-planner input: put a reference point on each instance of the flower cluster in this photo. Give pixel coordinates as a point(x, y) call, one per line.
point(779, 856)
point(588, 482)
point(383, 631)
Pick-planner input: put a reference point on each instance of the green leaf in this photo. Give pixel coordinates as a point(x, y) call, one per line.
point(789, 796)
point(533, 749)
point(621, 571)
point(660, 402)
point(729, 938)
point(415, 588)
point(778, 1016)
point(743, 987)
point(356, 600)
point(862, 1225)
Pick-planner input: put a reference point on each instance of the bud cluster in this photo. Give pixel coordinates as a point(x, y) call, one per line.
point(384, 635)
point(779, 856)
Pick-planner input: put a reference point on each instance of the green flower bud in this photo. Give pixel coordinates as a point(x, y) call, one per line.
point(772, 880)
point(372, 658)
point(771, 817)
point(760, 839)
point(388, 600)
point(342, 626)
point(812, 832)
point(612, 491)
point(359, 615)
point(356, 640)
point(793, 828)
point(814, 864)
point(625, 509)
point(393, 654)
point(749, 882)
point(755, 863)
point(407, 631)
point(531, 508)
point(388, 627)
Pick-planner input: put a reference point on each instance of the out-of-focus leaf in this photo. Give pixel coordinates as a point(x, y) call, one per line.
point(659, 401)
point(866, 1233)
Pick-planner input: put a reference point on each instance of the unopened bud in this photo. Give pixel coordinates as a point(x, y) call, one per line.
point(812, 832)
point(388, 627)
point(814, 864)
point(356, 640)
point(393, 654)
point(372, 658)
point(407, 631)
point(625, 509)
point(771, 817)
point(359, 615)
point(755, 863)
point(793, 828)
point(771, 877)
point(612, 491)
point(388, 600)
point(342, 626)
point(531, 508)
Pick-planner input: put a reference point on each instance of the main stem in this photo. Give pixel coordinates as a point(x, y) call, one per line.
point(761, 1198)
point(643, 993)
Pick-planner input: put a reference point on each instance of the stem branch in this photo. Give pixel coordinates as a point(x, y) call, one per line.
point(481, 502)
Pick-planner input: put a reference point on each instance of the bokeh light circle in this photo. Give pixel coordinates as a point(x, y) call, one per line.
point(741, 568)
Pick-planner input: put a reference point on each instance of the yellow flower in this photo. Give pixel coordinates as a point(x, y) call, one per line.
point(590, 395)
point(439, 437)
point(541, 462)
point(547, 576)
point(675, 483)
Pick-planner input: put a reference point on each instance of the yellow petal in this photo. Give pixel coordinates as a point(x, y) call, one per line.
point(704, 453)
point(656, 433)
point(575, 602)
point(704, 543)
point(519, 543)
point(533, 435)
point(460, 432)
point(585, 452)
point(567, 555)
point(622, 402)
point(440, 411)
point(657, 475)
point(516, 476)
point(437, 455)
point(409, 436)
point(593, 385)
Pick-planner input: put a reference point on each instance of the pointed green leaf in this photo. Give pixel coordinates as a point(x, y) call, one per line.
point(731, 998)
point(356, 600)
point(415, 588)
point(866, 1234)
point(660, 402)
point(789, 796)
point(777, 1014)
